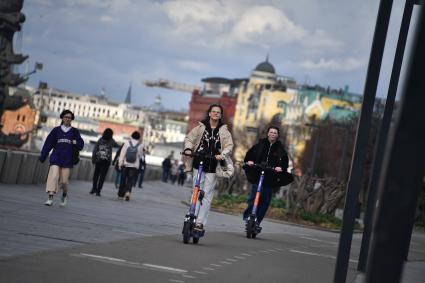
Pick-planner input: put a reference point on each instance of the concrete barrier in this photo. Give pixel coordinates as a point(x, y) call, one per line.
point(26, 172)
point(18, 167)
point(11, 167)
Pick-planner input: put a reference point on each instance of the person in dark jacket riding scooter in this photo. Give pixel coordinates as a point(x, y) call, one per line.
point(269, 152)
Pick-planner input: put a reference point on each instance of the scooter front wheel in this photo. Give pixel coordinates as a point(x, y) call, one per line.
point(250, 229)
point(195, 240)
point(186, 232)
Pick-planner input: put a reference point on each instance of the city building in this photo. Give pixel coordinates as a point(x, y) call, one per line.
point(216, 90)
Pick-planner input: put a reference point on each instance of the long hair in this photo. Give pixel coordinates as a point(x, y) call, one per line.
point(107, 134)
point(207, 117)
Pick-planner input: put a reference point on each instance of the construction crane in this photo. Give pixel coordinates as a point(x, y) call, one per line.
point(171, 85)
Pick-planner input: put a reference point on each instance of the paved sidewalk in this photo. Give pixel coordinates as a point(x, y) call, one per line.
point(31, 230)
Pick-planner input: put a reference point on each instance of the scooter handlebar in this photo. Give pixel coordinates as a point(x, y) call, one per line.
point(190, 153)
point(260, 166)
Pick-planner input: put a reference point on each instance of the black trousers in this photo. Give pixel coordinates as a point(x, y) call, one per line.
point(100, 171)
point(128, 179)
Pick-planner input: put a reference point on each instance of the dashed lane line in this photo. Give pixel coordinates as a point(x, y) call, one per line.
point(123, 262)
point(321, 255)
point(200, 272)
point(176, 281)
point(225, 262)
point(208, 268)
point(216, 265)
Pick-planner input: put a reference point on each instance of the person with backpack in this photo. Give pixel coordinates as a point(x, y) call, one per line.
point(65, 141)
point(101, 158)
point(129, 162)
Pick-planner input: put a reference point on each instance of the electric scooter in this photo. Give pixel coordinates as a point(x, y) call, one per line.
point(252, 225)
point(189, 223)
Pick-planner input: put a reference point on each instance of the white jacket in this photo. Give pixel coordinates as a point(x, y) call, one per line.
point(122, 162)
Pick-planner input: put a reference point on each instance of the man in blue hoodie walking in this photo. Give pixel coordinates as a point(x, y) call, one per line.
point(61, 139)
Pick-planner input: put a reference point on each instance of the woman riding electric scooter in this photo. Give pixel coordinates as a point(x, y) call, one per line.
point(209, 137)
point(269, 153)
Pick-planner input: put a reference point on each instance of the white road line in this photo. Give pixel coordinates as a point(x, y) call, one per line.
point(177, 281)
point(265, 252)
point(239, 257)
point(134, 233)
point(208, 268)
point(318, 240)
point(225, 262)
point(200, 272)
point(216, 265)
point(245, 254)
point(124, 262)
point(321, 255)
point(231, 259)
point(103, 257)
point(189, 276)
point(272, 250)
point(166, 268)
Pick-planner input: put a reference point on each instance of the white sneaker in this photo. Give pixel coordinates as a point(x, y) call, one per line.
point(63, 201)
point(49, 202)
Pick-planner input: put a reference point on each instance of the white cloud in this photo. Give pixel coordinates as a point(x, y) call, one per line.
point(192, 65)
point(348, 64)
point(106, 19)
point(195, 17)
point(265, 22)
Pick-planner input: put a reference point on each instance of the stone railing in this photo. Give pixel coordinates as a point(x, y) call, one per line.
point(18, 167)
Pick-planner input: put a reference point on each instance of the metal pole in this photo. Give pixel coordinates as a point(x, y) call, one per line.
point(344, 151)
point(403, 172)
point(383, 134)
point(359, 154)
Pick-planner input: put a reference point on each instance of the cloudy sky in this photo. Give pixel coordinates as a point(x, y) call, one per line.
point(87, 45)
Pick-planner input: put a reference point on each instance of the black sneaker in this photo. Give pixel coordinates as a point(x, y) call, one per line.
point(92, 191)
point(98, 194)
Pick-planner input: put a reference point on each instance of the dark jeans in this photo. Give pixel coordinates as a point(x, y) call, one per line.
point(141, 176)
point(100, 171)
point(128, 175)
point(181, 179)
point(265, 199)
point(165, 175)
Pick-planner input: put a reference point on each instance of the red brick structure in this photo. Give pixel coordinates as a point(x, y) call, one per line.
point(216, 90)
point(119, 129)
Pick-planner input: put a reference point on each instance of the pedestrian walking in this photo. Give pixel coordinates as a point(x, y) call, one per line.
point(101, 158)
point(166, 168)
point(181, 174)
point(142, 169)
point(66, 142)
point(174, 171)
point(129, 160)
point(117, 169)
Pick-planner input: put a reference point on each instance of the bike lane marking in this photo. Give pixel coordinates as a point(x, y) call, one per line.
point(320, 255)
point(123, 262)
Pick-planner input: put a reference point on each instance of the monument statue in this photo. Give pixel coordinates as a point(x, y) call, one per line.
point(11, 20)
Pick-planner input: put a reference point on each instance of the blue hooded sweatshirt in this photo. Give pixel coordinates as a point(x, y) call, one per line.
point(61, 143)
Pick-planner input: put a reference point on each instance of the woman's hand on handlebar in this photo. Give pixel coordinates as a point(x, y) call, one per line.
point(278, 169)
point(218, 157)
point(250, 163)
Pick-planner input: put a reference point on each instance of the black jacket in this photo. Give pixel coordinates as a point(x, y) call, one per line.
point(273, 155)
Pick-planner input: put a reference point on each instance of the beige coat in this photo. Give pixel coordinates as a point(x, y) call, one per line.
point(194, 137)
